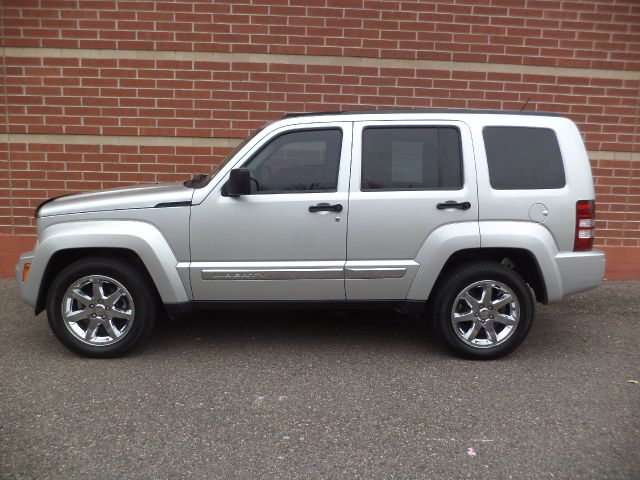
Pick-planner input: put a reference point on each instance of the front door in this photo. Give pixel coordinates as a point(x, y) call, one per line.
point(287, 239)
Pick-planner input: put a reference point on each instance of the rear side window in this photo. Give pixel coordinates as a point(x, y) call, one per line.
point(523, 158)
point(411, 158)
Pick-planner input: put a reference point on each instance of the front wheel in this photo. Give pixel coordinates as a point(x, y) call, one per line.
point(482, 310)
point(101, 307)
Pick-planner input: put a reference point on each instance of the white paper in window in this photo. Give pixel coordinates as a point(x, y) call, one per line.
point(406, 162)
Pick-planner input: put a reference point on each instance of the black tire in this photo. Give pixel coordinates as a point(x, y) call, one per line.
point(492, 338)
point(139, 302)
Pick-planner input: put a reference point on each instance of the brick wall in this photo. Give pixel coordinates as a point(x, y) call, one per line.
point(104, 93)
point(585, 34)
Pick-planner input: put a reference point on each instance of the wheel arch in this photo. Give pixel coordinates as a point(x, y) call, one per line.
point(61, 258)
point(520, 260)
point(528, 247)
point(138, 241)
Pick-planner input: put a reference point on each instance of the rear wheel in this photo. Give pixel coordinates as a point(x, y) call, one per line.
point(101, 307)
point(482, 310)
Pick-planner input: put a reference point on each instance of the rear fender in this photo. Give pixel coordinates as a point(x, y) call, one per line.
point(532, 237)
point(436, 250)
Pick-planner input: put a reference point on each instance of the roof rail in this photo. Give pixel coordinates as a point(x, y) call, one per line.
point(420, 110)
point(312, 114)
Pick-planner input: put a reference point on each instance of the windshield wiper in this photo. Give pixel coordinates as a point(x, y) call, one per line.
point(197, 181)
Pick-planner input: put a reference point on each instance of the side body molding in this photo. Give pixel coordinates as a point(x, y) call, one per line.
point(140, 237)
point(434, 252)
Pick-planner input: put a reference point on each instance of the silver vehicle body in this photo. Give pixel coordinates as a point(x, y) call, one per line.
point(199, 245)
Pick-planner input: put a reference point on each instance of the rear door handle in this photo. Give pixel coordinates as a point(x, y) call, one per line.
point(325, 207)
point(454, 204)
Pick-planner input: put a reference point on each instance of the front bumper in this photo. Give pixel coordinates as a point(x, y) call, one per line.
point(28, 289)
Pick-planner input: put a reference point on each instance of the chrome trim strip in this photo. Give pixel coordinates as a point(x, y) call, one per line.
point(351, 273)
point(372, 273)
point(274, 274)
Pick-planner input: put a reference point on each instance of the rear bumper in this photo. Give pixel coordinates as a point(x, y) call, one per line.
point(580, 271)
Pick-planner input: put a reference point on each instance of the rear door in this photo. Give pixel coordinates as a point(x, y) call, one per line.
point(407, 179)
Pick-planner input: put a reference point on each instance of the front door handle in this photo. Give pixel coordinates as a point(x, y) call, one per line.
point(325, 207)
point(454, 204)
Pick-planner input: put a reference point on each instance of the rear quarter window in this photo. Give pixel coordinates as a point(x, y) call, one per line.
point(523, 158)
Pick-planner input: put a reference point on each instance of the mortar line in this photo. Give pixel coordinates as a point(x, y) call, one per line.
point(347, 61)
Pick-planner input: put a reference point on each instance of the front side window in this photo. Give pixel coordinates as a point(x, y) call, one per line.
point(411, 158)
point(300, 161)
point(523, 158)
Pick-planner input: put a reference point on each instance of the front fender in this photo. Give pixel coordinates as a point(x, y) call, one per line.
point(140, 237)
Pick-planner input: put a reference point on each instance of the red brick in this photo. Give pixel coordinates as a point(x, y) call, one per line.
point(140, 97)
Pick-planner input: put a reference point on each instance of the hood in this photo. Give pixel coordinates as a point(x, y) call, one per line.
point(142, 196)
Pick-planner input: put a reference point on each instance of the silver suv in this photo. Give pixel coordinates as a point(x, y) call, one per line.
point(461, 216)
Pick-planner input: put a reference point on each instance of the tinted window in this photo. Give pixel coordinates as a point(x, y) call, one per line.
point(404, 158)
point(523, 158)
point(301, 161)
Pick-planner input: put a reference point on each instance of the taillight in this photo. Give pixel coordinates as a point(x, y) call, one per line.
point(585, 225)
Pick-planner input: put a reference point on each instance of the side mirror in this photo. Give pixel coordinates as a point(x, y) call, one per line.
point(239, 182)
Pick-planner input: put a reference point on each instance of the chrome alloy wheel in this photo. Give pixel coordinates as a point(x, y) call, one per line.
point(485, 314)
point(98, 310)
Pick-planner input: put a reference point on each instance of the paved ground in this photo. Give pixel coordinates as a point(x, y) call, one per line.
point(326, 395)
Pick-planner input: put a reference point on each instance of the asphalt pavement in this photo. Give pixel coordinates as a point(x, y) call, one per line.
point(326, 395)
